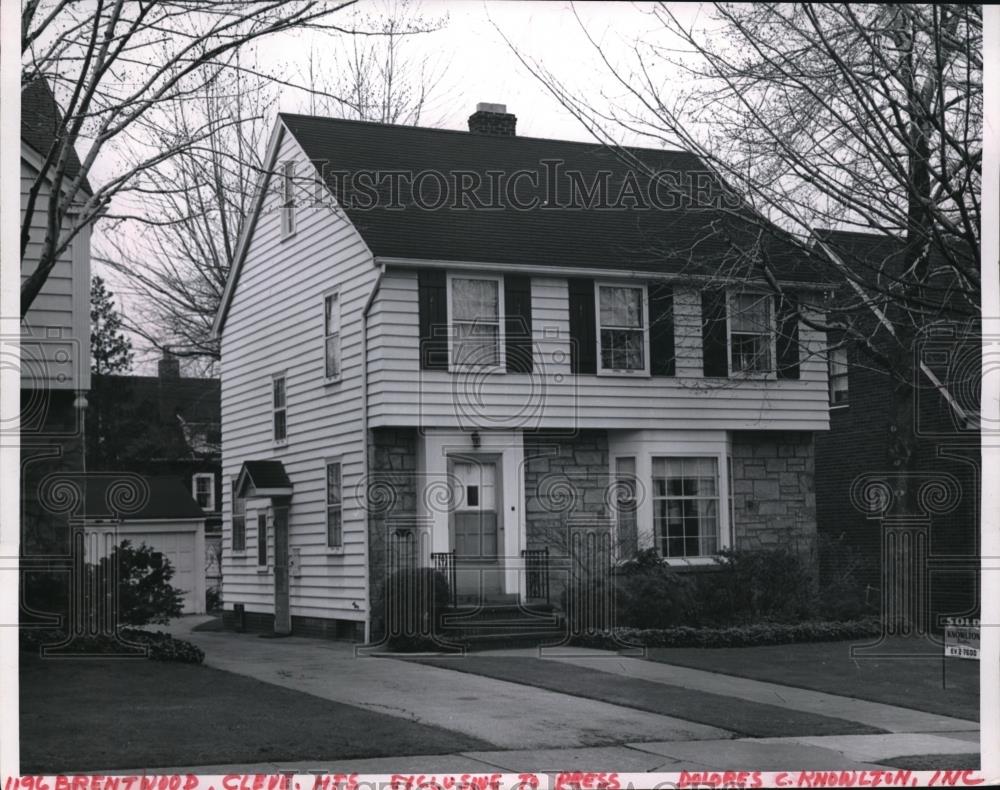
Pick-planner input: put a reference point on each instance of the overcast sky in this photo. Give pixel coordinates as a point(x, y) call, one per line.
point(477, 65)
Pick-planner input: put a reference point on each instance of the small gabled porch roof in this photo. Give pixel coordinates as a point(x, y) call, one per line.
point(263, 479)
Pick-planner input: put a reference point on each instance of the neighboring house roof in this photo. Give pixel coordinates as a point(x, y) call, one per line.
point(168, 498)
point(672, 241)
point(40, 122)
point(162, 417)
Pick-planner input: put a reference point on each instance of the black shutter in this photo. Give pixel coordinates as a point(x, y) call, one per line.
point(661, 330)
point(715, 353)
point(433, 295)
point(787, 311)
point(517, 317)
point(582, 332)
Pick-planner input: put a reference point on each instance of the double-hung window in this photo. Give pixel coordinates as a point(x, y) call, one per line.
point(204, 490)
point(751, 333)
point(475, 305)
point(280, 409)
point(262, 539)
point(334, 504)
point(837, 362)
point(239, 521)
point(622, 337)
point(686, 506)
point(331, 334)
point(287, 198)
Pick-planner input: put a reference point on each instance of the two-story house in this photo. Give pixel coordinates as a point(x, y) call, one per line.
point(475, 343)
point(55, 333)
point(946, 374)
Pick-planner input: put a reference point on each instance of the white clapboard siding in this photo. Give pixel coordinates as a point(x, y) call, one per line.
point(55, 334)
point(552, 397)
point(275, 324)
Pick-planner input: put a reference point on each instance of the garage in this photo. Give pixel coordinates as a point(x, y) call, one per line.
point(167, 519)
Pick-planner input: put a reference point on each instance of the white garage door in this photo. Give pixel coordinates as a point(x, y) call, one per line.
point(178, 547)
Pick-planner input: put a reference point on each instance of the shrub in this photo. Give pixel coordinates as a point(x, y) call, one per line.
point(751, 635)
point(755, 585)
point(413, 600)
point(145, 594)
point(651, 594)
point(842, 591)
point(213, 599)
point(161, 646)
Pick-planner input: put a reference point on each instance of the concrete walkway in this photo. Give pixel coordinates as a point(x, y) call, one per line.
point(538, 730)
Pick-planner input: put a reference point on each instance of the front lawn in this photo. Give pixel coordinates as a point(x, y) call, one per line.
point(827, 666)
point(90, 714)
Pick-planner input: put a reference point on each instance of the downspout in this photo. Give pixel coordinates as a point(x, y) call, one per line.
point(364, 441)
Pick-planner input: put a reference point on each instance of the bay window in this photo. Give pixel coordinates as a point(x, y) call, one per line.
point(685, 497)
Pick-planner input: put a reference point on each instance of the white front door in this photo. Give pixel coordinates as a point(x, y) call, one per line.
point(476, 526)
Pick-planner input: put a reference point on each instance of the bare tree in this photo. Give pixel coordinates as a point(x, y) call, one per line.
point(116, 67)
point(825, 116)
point(380, 77)
point(195, 204)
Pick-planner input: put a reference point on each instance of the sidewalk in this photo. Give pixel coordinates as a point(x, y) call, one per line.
point(540, 730)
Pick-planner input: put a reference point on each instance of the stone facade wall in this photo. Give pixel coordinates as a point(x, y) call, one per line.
point(774, 499)
point(565, 480)
point(391, 498)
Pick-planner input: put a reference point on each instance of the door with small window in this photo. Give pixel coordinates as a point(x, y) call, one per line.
point(476, 528)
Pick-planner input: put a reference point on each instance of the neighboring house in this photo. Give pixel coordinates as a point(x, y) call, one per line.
point(164, 426)
point(54, 343)
point(165, 518)
point(856, 450)
point(483, 386)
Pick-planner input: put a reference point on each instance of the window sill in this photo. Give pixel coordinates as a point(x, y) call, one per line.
point(839, 406)
point(691, 562)
point(329, 382)
point(749, 375)
point(477, 368)
point(642, 374)
point(263, 569)
point(279, 444)
point(334, 551)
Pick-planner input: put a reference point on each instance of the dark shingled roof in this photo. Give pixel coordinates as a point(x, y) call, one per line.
point(40, 120)
point(168, 498)
point(680, 240)
point(267, 474)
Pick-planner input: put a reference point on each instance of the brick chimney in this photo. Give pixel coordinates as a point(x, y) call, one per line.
point(492, 119)
point(169, 367)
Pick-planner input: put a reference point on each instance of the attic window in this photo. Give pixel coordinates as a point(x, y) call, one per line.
point(287, 199)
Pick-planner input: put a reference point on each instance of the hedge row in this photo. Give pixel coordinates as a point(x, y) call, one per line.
point(734, 636)
point(161, 646)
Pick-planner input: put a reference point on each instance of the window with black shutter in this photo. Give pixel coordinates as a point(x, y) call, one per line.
point(433, 307)
point(582, 329)
point(787, 310)
point(661, 331)
point(714, 333)
point(517, 317)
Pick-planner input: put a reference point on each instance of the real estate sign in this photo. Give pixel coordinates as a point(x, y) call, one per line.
point(961, 637)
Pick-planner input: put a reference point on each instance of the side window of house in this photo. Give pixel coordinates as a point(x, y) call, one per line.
point(837, 361)
point(686, 518)
point(204, 490)
point(622, 324)
point(262, 539)
point(279, 409)
point(287, 198)
point(239, 521)
point(334, 523)
point(331, 336)
point(476, 321)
